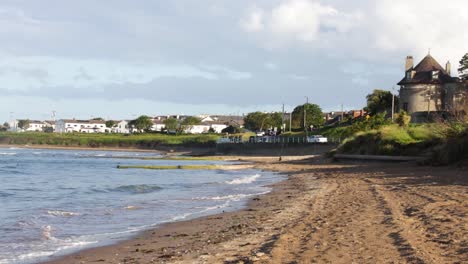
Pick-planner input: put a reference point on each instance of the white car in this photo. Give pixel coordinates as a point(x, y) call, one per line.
point(317, 139)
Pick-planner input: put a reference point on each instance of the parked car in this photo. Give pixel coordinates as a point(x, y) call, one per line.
point(317, 139)
point(260, 133)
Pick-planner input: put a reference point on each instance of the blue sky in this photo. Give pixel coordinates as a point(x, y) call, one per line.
point(118, 59)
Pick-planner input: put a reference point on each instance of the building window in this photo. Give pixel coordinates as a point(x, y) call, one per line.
point(405, 107)
point(408, 75)
point(435, 75)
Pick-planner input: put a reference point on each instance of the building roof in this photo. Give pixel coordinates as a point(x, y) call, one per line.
point(422, 73)
point(83, 121)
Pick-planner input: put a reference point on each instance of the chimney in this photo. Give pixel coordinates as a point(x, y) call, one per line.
point(409, 63)
point(448, 68)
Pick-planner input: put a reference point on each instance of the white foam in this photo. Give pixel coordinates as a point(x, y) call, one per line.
point(46, 233)
point(245, 180)
point(232, 197)
point(8, 153)
point(62, 213)
point(181, 217)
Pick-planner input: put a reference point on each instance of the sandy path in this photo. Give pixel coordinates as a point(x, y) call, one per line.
point(324, 213)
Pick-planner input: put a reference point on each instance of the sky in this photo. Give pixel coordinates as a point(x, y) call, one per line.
point(118, 59)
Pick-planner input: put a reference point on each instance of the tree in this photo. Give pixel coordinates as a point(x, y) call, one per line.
point(142, 123)
point(259, 121)
point(188, 123)
point(98, 119)
point(110, 123)
point(171, 125)
point(380, 101)
point(231, 130)
point(314, 116)
point(23, 124)
point(4, 127)
point(463, 69)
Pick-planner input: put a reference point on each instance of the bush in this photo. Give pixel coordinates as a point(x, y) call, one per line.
point(403, 119)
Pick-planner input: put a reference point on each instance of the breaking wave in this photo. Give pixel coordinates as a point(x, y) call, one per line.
point(232, 197)
point(61, 213)
point(8, 153)
point(245, 180)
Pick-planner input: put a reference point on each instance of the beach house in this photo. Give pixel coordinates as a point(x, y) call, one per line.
point(428, 90)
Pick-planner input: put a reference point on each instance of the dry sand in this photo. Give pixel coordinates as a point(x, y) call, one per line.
point(324, 213)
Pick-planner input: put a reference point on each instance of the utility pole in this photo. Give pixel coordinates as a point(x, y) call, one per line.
point(393, 103)
point(305, 114)
point(283, 125)
point(342, 113)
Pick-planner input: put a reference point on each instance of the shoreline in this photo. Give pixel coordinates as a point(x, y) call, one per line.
point(178, 226)
point(79, 148)
point(323, 213)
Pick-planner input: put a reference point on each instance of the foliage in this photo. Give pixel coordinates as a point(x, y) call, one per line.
point(259, 121)
point(403, 119)
point(380, 101)
point(5, 127)
point(314, 116)
point(98, 119)
point(143, 140)
point(231, 130)
point(463, 69)
point(48, 129)
point(23, 123)
point(110, 123)
point(189, 122)
point(171, 124)
point(142, 123)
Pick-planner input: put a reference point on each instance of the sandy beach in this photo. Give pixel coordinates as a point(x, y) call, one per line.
point(324, 213)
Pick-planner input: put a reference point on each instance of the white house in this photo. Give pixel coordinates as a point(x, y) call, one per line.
point(198, 129)
point(158, 124)
point(36, 126)
point(121, 127)
point(82, 126)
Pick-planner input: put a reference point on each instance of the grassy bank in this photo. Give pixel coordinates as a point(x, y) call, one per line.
point(144, 141)
point(443, 143)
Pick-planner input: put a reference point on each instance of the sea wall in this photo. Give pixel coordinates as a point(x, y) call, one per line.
point(274, 149)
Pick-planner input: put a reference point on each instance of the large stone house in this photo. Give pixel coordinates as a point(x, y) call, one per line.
point(428, 90)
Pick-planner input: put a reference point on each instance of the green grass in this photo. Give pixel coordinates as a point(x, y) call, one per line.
point(105, 140)
point(443, 142)
point(170, 167)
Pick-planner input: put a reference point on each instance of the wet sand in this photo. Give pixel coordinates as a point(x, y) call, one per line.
point(324, 213)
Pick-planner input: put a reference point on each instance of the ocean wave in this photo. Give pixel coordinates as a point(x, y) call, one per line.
point(232, 197)
point(61, 213)
point(5, 194)
point(245, 180)
point(137, 189)
point(8, 153)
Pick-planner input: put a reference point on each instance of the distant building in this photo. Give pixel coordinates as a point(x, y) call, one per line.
point(81, 126)
point(36, 126)
point(121, 127)
point(428, 89)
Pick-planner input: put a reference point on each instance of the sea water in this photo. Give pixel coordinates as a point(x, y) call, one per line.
point(55, 202)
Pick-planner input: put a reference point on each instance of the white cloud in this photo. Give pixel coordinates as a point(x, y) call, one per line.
point(254, 21)
point(32, 73)
point(301, 20)
point(298, 77)
point(415, 26)
point(271, 66)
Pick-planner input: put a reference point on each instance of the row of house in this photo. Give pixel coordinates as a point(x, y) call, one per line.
point(208, 124)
